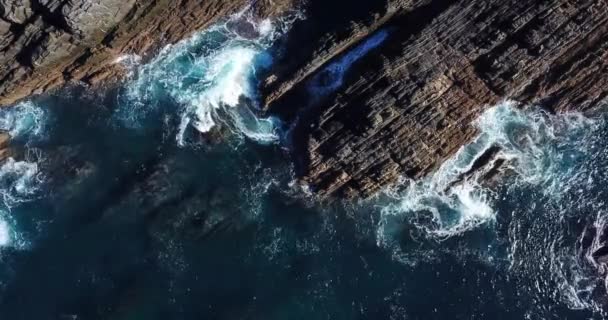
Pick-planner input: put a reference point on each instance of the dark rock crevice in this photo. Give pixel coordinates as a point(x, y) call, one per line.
point(51, 16)
point(446, 62)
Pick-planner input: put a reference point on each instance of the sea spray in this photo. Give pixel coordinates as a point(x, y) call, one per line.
point(529, 139)
point(211, 77)
point(19, 181)
point(332, 76)
point(555, 164)
point(23, 121)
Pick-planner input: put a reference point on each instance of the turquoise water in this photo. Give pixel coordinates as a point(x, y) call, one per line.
point(168, 198)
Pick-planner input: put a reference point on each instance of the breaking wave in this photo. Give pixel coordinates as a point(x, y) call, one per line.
point(549, 178)
point(535, 145)
point(332, 76)
point(211, 76)
point(20, 177)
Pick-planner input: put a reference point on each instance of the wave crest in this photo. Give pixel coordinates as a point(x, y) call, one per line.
point(211, 76)
point(555, 180)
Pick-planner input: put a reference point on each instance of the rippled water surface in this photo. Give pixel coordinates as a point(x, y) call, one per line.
point(168, 198)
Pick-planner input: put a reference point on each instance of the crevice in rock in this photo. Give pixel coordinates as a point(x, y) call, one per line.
point(24, 57)
point(52, 18)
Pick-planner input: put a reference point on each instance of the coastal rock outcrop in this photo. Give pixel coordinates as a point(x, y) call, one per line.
point(46, 43)
point(395, 91)
point(373, 91)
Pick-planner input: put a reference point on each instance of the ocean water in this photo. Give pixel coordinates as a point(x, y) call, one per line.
point(169, 198)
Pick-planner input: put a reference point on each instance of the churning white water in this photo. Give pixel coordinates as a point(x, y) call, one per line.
point(25, 120)
point(555, 163)
point(211, 76)
point(10, 237)
point(20, 180)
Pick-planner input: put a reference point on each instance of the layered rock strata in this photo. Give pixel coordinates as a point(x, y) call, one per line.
point(46, 43)
point(378, 110)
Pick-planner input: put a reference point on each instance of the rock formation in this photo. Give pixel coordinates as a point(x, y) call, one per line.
point(46, 43)
point(5, 150)
point(374, 91)
point(406, 104)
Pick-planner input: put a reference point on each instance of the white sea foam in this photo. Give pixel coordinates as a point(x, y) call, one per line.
point(224, 81)
point(10, 237)
point(539, 143)
point(332, 76)
point(558, 162)
point(527, 138)
point(130, 62)
point(211, 76)
point(19, 181)
point(25, 120)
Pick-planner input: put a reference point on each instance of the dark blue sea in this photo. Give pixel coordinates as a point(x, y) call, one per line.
point(168, 197)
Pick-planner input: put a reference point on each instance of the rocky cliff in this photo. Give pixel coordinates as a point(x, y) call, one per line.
point(373, 91)
point(46, 43)
point(394, 90)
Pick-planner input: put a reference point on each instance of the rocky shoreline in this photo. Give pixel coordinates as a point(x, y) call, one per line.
point(47, 43)
point(375, 92)
point(409, 104)
point(371, 95)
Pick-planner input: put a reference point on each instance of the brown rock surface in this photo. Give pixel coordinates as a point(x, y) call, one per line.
point(408, 104)
point(45, 43)
point(5, 150)
point(364, 113)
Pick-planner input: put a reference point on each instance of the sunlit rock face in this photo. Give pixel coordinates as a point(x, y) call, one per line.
point(350, 160)
point(48, 43)
point(212, 76)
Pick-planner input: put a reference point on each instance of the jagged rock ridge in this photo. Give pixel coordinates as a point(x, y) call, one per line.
point(376, 90)
point(408, 104)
